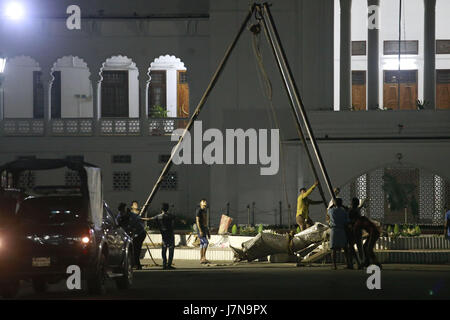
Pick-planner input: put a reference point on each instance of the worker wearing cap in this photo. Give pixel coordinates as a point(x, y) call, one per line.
point(302, 218)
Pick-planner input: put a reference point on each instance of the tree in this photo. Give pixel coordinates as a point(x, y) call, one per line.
point(400, 195)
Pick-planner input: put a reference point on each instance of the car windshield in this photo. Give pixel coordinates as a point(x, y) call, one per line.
point(52, 210)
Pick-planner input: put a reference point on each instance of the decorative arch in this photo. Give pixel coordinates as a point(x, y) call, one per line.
point(167, 87)
point(118, 89)
point(23, 89)
point(430, 193)
point(71, 92)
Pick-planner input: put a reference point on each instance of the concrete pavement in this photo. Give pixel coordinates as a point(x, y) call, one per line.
point(262, 280)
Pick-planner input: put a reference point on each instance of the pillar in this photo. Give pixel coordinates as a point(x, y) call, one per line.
point(373, 54)
point(346, 55)
point(429, 83)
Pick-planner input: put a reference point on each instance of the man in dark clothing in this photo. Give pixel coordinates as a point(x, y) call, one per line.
point(134, 226)
point(165, 222)
point(447, 222)
point(203, 231)
point(358, 223)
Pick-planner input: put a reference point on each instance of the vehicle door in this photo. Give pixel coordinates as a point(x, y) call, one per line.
point(117, 237)
point(110, 232)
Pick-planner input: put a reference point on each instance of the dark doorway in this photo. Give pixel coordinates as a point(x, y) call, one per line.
point(115, 102)
point(157, 92)
point(56, 95)
point(38, 95)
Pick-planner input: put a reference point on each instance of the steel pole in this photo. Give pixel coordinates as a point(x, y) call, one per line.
point(199, 107)
point(287, 76)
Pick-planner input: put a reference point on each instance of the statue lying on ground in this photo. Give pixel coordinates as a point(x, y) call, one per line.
point(265, 244)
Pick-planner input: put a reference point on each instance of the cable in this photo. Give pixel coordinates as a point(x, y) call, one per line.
point(266, 87)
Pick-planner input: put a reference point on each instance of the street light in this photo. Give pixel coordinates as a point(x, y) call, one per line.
point(14, 11)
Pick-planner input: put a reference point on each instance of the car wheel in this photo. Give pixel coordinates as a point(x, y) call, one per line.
point(9, 289)
point(96, 282)
point(126, 280)
point(39, 285)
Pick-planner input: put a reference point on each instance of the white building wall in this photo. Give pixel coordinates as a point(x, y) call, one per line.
point(18, 87)
point(359, 31)
point(412, 29)
point(442, 31)
point(412, 26)
point(133, 93)
point(76, 82)
point(337, 42)
point(76, 88)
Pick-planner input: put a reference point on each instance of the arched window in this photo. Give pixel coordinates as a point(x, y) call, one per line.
point(119, 88)
point(70, 89)
point(393, 187)
point(168, 89)
point(23, 89)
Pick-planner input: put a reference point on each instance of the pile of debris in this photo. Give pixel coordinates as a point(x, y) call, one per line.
point(305, 245)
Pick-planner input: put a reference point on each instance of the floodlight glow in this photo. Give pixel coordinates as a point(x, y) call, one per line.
point(405, 64)
point(14, 11)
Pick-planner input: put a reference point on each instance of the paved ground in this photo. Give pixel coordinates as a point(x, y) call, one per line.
point(270, 281)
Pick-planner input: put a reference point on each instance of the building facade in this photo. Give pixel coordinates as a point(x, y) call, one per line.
point(114, 91)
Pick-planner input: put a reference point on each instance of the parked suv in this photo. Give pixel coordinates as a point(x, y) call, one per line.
point(46, 229)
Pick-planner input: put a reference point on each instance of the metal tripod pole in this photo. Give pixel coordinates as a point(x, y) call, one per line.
point(199, 107)
point(286, 73)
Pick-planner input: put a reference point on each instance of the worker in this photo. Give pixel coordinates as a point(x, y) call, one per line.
point(354, 213)
point(331, 203)
point(447, 222)
point(134, 207)
point(203, 231)
point(339, 221)
point(302, 218)
point(359, 223)
point(134, 227)
point(165, 222)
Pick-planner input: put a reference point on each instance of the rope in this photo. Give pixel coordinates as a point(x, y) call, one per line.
point(266, 87)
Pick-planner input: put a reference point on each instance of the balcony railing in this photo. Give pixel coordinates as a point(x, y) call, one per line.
point(120, 127)
point(23, 127)
point(75, 127)
point(72, 127)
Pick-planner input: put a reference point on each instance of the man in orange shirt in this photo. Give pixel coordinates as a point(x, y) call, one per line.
point(302, 217)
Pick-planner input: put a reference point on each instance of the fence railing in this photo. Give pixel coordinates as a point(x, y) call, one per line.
point(72, 127)
point(91, 127)
point(23, 127)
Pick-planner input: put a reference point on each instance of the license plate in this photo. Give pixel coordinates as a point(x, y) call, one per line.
point(41, 262)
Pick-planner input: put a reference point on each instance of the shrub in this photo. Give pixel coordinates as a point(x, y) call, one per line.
point(396, 230)
point(417, 230)
point(247, 231)
point(260, 228)
point(389, 229)
point(234, 230)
